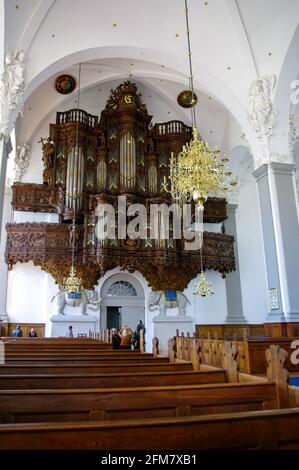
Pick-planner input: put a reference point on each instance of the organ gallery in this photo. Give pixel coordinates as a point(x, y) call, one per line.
point(149, 194)
point(90, 161)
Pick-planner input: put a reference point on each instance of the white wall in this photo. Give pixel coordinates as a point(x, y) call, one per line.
point(208, 310)
point(30, 291)
point(26, 294)
point(251, 257)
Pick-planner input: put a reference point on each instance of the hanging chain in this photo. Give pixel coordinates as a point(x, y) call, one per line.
point(76, 150)
point(191, 84)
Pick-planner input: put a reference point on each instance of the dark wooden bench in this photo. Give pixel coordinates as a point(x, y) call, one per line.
point(141, 359)
point(53, 341)
point(131, 403)
point(92, 368)
point(13, 344)
point(75, 354)
point(84, 380)
point(275, 429)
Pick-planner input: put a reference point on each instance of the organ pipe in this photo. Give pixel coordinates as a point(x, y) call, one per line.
point(75, 178)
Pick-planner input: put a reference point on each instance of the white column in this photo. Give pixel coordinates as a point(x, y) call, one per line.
point(279, 220)
point(5, 213)
point(6, 209)
point(282, 182)
point(5, 149)
point(232, 281)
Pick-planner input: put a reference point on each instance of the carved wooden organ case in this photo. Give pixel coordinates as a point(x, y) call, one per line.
point(90, 161)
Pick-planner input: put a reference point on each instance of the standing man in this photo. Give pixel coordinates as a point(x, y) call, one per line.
point(70, 333)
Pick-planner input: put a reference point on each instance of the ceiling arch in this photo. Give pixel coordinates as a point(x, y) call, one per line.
point(172, 71)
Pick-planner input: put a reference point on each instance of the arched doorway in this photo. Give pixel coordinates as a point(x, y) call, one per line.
point(123, 302)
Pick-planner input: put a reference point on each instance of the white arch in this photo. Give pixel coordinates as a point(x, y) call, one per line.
point(62, 100)
point(242, 38)
point(289, 72)
point(133, 309)
point(122, 277)
point(176, 66)
point(32, 27)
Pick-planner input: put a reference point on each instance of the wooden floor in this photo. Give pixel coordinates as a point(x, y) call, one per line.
point(80, 394)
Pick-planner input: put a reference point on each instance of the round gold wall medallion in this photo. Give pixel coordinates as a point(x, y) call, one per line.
point(186, 100)
point(65, 84)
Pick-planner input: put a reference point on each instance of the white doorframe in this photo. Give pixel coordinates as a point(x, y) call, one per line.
point(132, 307)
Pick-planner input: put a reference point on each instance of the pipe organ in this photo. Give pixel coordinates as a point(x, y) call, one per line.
point(91, 160)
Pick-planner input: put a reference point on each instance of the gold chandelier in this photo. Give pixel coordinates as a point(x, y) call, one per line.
point(204, 288)
point(198, 171)
point(72, 285)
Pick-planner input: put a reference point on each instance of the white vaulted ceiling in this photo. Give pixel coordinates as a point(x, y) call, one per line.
point(233, 42)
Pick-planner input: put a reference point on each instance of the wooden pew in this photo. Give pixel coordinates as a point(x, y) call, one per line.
point(52, 341)
point(251, 352)
point(256, 430)
point(33, 344)
point(82, 361)
point(293, 395)
point(77, 355)
point(131, 403)
point(91, 368)
point(131, 379)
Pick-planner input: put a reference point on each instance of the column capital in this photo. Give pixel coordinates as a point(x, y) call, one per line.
point(278, 168)
point(283, 168)
point(261, 171)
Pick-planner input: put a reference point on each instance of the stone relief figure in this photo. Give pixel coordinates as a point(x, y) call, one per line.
point(14, 63)
point(262, 114)
point(261, 110)
point(12, 86)
point(21, 162)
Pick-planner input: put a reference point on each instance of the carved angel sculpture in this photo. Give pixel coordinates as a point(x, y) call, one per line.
point(21, 161)
point(15, 72)
point(12, 86)
point(260, 102)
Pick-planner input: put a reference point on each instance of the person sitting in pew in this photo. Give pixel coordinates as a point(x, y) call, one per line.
point(17, 332)
point(115, 339)
point(32, 333)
